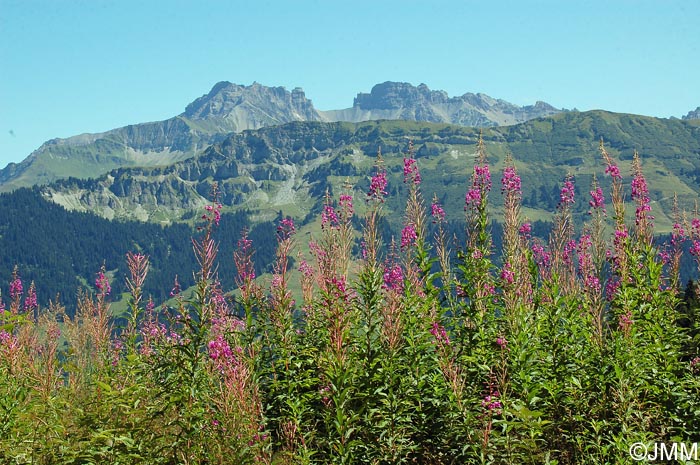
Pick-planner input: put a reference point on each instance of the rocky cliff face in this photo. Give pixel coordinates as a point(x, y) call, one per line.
point(261, 170)
point(695, 114)
point(251, 107)
point(400, 100)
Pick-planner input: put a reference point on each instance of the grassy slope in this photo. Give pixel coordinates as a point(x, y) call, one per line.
point(544, 150)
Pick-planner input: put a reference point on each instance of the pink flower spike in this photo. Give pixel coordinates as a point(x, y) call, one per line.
point(346, 205)
point(613, 171)
point(16, 289)
point(597, 199)
point(286, 228)
point(102, 284)
point(329, 217)
point(507, 274)
point(377, 187)
point(438, 212)
point(566, 196)
point(440, 334)
point(410, 171)
point(525, 230)
point(30, 302)
point(510, 182)
point(408, 236)
point(393, 277)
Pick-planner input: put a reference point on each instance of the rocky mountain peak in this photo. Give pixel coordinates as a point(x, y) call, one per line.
point(695, 114)
point(395, 95)
point(226, 99)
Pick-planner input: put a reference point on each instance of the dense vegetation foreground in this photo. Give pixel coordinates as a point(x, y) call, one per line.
point(566, 352)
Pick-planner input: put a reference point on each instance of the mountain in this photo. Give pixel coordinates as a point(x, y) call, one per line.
point(225, 109)
point(290, 167)
point(234, 108)
point(695, 114)
point(402, 101)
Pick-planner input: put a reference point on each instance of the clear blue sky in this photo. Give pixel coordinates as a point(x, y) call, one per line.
point(74, 66)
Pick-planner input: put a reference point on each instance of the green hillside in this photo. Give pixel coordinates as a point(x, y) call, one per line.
point(289, 168)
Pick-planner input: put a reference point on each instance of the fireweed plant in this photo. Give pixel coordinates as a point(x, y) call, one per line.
point(563, 352)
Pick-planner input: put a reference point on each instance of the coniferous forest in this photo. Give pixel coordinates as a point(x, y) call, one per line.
point(60, 250)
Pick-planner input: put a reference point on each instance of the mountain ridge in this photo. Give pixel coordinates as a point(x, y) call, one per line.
point(292, 166)
point(693, 114)
point(229, 107)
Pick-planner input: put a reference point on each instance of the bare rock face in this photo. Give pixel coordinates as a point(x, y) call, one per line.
point(400, 100)
point(251, 107)
point(695, 114)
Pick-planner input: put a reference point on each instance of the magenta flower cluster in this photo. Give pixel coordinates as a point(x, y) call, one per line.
point(525, 230)
point(507, 274)
point(695, 248)
point(410, 171)
point(393, 277)
point(568, 254)
point(611, 288)
point(30, 302)
point(305, 269)
point(377, 186)
point(329, 217)
point(613, 171)
point(440, 334)
point(346, 205)
point(640, 193)
point(695, 234)
point(408, 236)
point(481, 184)
point(214, 210)
point(510, 182)
point(438, 212)
point(625, 321)
point(566, 196)
point(219, 349)
point(338, 287)
point(491, 401)
point(677, 235)
point(473, 197)
point(286, 228)
point(16, 288)
point(597, 200)
point(102, 284)
point(541, 256)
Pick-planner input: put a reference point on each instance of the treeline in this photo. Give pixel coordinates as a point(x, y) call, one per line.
point(62, 251)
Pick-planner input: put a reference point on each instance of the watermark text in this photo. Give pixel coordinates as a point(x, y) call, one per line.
point(663, 451)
